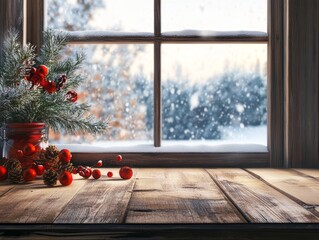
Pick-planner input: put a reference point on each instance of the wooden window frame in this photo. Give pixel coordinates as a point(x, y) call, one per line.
point(272, 158)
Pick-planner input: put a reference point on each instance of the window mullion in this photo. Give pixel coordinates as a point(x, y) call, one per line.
point(157, 76)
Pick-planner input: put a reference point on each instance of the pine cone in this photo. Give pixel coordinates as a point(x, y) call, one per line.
point(51, 152)
point(66, 167)
point(15, 175)
point(13, 164)
point(50, 177)
point(14, 170)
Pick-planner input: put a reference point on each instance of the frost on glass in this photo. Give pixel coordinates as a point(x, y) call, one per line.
point(214, 15)
point(106, 15)
point(215, 92)
point(118, 84)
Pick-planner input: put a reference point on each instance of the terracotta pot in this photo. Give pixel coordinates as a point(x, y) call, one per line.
point(24, 141)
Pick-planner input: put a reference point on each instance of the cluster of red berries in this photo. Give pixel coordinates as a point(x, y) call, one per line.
point(35, 170)
point(38, 77)
point(86, 172)
point(65, 177)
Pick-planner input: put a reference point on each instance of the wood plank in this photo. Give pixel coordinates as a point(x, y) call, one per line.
point(259, 202)
point(302, 188)
point(99, 201)
point(179, 196)
point(35, 16)
point(173, 159)
point(275, 83)
point(5, 186)
point(301, 84)
point(35, 202)
point(310, 172)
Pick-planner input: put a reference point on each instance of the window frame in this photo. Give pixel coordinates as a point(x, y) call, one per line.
point(35, 19)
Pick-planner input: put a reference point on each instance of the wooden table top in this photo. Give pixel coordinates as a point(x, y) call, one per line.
point(169, 196)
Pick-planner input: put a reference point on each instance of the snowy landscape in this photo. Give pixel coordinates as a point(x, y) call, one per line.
point(211, 94)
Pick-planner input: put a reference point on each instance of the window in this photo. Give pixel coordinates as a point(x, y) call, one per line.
point(196, 75)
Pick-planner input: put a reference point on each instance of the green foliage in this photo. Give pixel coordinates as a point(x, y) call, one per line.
point(20, 101)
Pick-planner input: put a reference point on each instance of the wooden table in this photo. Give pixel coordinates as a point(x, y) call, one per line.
point(219, 200)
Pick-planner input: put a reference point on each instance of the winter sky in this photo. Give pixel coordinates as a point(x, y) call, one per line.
point(194, 61)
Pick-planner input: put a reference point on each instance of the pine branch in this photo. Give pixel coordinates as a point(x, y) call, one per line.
point(54, 42)
point(16, 61)
point(22, 102)
point(13, 101)
point(69, 67)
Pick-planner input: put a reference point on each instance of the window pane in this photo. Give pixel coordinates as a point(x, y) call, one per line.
point(118, 85)
point(214, 15)
point(215, 92)
point(108, 15)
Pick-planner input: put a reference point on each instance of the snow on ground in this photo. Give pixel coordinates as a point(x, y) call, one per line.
point(248, 139)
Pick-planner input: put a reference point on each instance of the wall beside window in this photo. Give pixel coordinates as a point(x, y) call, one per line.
point(301, 84)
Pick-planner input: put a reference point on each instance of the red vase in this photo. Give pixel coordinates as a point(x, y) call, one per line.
point(24, 141)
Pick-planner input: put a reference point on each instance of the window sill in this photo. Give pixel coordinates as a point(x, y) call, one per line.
point(167, 147)
point(182, 155)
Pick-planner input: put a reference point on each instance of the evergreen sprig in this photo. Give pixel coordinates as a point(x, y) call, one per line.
point(20, 101)
point(16, 60)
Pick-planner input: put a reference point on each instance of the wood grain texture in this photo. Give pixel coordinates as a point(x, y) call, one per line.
point(301, 84)
point(5, 186)
point(178, 159)
point(99, 201)
point(35, 202)
point(178, 196)
point(35, 22)
point(259, 202)
point(275, 83)
point(300, 187)
point(310, 172)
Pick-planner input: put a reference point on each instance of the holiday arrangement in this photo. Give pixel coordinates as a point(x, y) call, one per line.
point(53, 166)
point(37, 93)
point(41, 88)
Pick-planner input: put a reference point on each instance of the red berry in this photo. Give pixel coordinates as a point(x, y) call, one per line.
point(39, 170)
point(89, 168)
point(43, 70)
point(19, 154)
point(38, 79)
point(110, 174)
point(87, 173)
point(33, 70)
point(65, 155)
point(66, 178)
point(119, 158)
point(50, 87)
point(3, 173)
point(71, 96)
point(29, 149)
point(29, 174)
point(126, 172)
point(96, 173)
point(81, 173)
point(80, 168)
point(75, 171)
point(99, 163)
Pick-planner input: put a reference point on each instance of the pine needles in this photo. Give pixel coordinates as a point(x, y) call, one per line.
point(20, 101)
